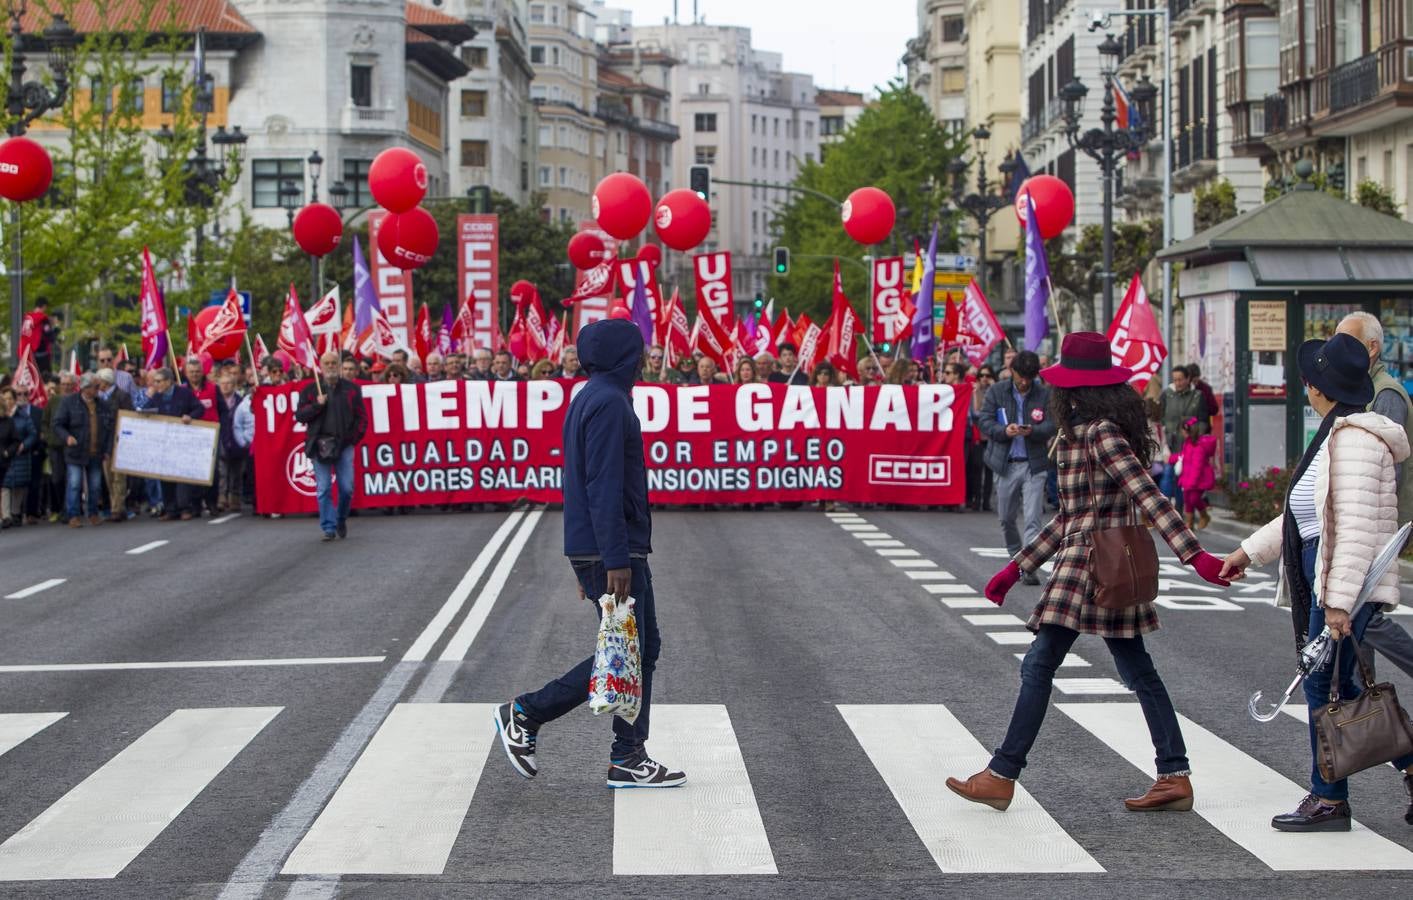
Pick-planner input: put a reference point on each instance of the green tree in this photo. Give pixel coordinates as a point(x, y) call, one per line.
point(895, 145)
point(1372, 195)
point(1078, 272)
point(1214, 203)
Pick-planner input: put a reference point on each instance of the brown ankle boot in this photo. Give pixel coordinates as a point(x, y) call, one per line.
point(1204, 519)
point(984, 787)
point(1168, 792)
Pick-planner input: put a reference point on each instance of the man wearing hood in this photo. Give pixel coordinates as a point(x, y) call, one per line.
point(607, 537)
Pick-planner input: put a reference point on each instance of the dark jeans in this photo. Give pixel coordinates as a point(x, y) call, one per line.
point(326, 474)
point(979, 477)
point(572, 688)
point(1317, 684)
point(1049, 649)
point(78, 477)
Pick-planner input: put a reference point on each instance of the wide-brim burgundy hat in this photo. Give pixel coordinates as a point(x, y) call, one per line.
point(1085, 361)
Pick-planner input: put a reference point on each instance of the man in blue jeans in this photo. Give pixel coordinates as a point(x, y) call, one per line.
point(333, 410)
point(607, 537)
point(84, 427)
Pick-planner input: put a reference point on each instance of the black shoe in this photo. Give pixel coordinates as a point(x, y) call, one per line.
point(1315, 815)
point(342, 530)
point(327, 536)
point(1408, 786)
point(643, 773)
point(517, 737)
point(1030, 578)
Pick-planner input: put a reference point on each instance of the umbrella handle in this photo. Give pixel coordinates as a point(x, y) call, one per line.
point(1254, 710)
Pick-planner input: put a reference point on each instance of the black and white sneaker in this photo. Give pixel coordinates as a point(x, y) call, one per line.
point(643, 773)
point(517, 737)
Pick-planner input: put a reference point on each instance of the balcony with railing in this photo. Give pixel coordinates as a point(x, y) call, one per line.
point(1354, 83)
point(1277, 113)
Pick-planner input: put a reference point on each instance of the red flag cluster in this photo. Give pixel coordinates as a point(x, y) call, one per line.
point(1134, 338)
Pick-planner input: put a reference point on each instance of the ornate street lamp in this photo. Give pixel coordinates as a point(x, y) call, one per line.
point(316, 165)
point(338, 192)
point(290, 197)
point(984, 203)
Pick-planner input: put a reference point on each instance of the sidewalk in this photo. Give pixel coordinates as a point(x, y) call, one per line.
point(1225, 524)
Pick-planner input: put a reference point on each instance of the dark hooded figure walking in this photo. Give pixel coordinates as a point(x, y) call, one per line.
point(607, 537)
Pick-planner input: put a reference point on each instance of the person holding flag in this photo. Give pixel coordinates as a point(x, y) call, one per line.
point(332, 408)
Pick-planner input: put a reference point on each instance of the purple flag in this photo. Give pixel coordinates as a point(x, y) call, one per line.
point(444, 345)
point(365, 298)
point(1037, 283)
point(642, 316)
point(924, 342)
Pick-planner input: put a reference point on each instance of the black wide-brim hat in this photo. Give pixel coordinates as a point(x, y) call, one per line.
point(1339, 367)
point(1085, 361)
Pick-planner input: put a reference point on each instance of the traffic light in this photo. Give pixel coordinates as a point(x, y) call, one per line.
point(782, 260)
point(760, 302)
point(699, 180)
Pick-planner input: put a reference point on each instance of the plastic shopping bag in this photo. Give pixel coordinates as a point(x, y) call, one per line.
point(616, 681)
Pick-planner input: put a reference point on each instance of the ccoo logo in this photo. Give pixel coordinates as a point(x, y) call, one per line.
point(300, 472)
point(664, 216)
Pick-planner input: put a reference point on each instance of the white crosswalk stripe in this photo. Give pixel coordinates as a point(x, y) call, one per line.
point(16, 728)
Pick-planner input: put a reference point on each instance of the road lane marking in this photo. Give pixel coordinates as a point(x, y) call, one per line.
point(907, 744)
point(1082, 687)
point(459, 594)
point(889, 554)
point(1069, 662)
point(1011, 638)
point(1300, 712)
point(195, 664)
point(913, 563)
point(870, 535)
point(402, 805)
point(461, 641)
point(1237, 794)
point(851, 527)
point(967, 603)
point(35, 589)
point(988, 619)
point(16, 728)
point(138, 551)
point(934, 575)
point(709, 826)
point(883, 543)
point(224, 519)
point(952, 589)
point(99, 827)
point(842, 515)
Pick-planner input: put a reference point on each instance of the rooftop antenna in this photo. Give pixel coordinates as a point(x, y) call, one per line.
point(674, 12)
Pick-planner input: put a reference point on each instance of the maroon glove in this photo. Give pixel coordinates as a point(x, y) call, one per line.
point(1002, 582)
point(1210, 568)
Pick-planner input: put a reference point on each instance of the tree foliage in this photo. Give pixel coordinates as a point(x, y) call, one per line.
point(895, 145)
point(1214, 204)
point(1372, 195)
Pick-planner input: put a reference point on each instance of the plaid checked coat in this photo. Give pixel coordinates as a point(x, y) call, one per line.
point(1122, 488)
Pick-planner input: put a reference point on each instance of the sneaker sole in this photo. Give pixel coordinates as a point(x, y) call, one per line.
point(505, 745)
point(1183, 805)
point(1324, 826)
point(623, 785)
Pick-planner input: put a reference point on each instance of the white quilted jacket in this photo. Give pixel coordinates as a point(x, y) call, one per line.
point(1356, 504)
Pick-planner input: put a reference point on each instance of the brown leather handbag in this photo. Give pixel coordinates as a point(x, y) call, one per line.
point(1123, 563)
point(1354, 735)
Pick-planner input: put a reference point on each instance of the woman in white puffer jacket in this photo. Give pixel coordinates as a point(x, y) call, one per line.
point(1342, 509)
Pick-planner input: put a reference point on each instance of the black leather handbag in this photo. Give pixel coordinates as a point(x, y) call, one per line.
point(1354, 735)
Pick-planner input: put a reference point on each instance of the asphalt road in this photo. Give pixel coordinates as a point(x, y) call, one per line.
point(242, 711)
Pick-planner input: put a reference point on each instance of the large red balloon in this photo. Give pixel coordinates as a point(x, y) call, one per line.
point(397, 179)
point(1054, 204)
point(868, 215)
point(223, 348)
point(586, 250)
point(26, 171)
point(651, 253)
point(682, 219)
point(408, 240)
point(622, 205)
point(318, 229)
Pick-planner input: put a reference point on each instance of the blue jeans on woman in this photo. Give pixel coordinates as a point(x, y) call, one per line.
point(330, 517)
point(77, 476)
point(1052, 643)
point(1317, 684)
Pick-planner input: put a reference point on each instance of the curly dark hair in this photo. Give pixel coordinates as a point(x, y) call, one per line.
point(1119, 403)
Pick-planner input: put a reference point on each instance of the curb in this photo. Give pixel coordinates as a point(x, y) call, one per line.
point(1226, 525)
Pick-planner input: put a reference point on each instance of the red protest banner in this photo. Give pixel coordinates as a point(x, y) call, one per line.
point(478, 274)
point(483, 441)
point(713, 276)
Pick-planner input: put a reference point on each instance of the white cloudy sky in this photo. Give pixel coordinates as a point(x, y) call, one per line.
point(854, 44)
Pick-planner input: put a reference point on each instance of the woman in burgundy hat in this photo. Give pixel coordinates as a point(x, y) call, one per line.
point(1103, 430)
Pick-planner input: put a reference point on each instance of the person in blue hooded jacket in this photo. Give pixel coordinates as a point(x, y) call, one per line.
point(607, 537)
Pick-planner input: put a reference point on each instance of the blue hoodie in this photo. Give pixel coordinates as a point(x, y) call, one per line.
point(605, 476)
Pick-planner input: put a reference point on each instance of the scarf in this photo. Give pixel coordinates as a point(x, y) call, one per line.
point(1301, 591)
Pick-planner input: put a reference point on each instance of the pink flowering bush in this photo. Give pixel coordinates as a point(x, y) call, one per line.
point(1263, 498)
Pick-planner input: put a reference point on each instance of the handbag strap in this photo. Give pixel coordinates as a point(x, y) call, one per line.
point(1364, 674)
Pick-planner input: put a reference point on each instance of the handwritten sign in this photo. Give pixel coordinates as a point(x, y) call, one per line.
point(165, 448)
point(1266, 323)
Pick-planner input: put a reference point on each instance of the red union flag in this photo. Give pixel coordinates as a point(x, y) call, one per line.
point(229, 319)
point(324, 316)
point(979, 325)
point(28, 382)
point(295, 338)
point(1134, 338)
point(713, 276)
point(887, 296)
point(478, 275)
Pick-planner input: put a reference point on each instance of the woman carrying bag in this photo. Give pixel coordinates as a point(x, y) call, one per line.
point(1342, 507)
point(1106, 569)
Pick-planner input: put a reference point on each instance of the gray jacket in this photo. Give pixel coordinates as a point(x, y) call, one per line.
point(1036, 414)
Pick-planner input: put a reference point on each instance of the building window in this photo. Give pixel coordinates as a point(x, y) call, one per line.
point(831, 125)
point(704, 122)
point(704, 88)
point(809, 131)
point(473, 57)
point(809, 157)
point(473, 104)
point(537, 54)
point(355, 178)
point(544, 176)
point(537, 13)
point(99, 89)
point(1262, 58)
point(554, 14)
point(473, 153)
point(554, 57)
point(954, 80)
point(777, 159)
point(360, 84)
point(564, 176)
point(172, 91)
point(753, 156)
point(777, 128)
point(706, 156)
point(265, 178)
point(133, 100)
point(952, 28)
point(546, 136)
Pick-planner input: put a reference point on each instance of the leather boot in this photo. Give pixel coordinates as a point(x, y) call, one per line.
point(1312, 815)
point(1168, 792)
point(1204, 519)
point(1187, 520)
point(984, 787)
point(1408, 787)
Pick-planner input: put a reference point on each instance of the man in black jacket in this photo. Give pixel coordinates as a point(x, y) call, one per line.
point(167, 398)
point(333, 410)
point(84, 426)
point(117, 400)
point(1015, 417)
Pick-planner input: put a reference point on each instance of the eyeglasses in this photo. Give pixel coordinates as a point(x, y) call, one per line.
point(654, 356)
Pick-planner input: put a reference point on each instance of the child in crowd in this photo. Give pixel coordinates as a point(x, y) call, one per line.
point(1197, 464)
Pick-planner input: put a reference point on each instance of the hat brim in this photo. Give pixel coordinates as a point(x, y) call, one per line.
point(1062, 376)
point(1305, 359)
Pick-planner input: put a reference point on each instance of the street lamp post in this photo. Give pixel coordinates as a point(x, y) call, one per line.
point(983, 204)
point(1107, 144)
point(316, 165)
point(24, 102)
point(290, 196)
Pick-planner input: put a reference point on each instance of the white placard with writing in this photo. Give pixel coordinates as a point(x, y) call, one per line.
point(163, 447)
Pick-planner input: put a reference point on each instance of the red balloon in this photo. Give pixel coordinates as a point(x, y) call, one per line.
point(1054, 204)
point(26, 171)
point(682, 219)
point(225, 347)
point(318, 228)
point(586, 250)
point(622, 205)
point(408, 240)
point(651, 253)
point(397, 179)
point(868, 215)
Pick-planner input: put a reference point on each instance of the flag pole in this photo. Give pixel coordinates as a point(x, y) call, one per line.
point(876, 361)
point(1050, 302)
point(172, 350)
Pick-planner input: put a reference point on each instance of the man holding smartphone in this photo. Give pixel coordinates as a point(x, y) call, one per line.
point(1016, 419)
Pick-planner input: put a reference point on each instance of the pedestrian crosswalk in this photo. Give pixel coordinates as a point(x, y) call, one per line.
point(413, 788)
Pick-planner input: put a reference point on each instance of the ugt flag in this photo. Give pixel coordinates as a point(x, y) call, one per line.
point(1134, 338)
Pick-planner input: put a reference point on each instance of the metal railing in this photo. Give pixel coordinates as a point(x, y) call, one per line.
point(1354, 83)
